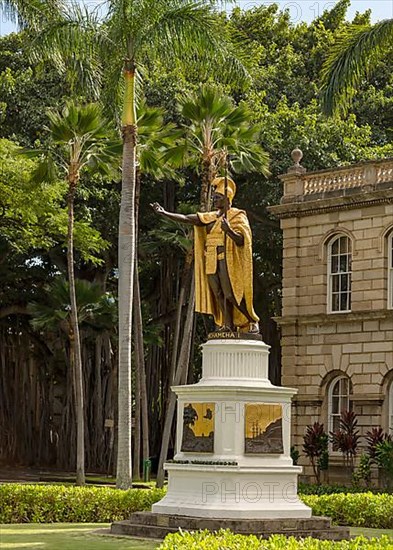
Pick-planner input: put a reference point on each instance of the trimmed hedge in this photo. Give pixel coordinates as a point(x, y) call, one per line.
point(226, 540)
point(323, 489)
point(58, 503)
point(356, 510)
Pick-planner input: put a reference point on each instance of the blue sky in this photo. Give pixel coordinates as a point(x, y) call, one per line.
point(300, 10)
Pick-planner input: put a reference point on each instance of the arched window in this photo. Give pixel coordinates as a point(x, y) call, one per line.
point(339, 274)
point(340, 391)
point(390, 271)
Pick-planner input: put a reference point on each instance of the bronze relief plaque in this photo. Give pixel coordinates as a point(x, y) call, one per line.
point(263, 428)
point(198, 428)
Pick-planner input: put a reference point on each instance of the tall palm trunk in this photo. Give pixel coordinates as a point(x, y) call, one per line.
point(126, 278)
point(207, 177)
point(180, 377)
point(136, 464)
point(74, 335)
point(142, 418)
point(141, 406)
point(208, 171)
point(138, 343)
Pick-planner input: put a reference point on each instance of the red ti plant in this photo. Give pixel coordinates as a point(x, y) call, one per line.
point(346, 438)
point(373, 438)
point(315, 447)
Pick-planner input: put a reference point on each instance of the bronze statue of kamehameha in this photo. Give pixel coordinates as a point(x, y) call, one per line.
point(223, 260)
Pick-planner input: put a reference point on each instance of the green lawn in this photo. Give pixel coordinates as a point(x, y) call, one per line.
point(72, 536)
point(66, 536)
point(357, 531)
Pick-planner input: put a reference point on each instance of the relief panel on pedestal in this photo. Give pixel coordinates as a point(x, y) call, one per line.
point(198, 428)
point(263, 428)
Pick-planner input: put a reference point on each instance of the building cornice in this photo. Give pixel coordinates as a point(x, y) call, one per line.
point(323, 203)
point(329, 318)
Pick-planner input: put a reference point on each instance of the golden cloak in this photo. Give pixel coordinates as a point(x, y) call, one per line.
point(238, 261)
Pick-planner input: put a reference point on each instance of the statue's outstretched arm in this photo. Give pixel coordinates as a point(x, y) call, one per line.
point(191, 219)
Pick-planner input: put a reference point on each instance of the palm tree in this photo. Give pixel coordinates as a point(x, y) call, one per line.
point(351, 58)
point(94, 309)
point(79, 138)
point(154, 137)
point(133, 33)
point(32, 14)
point(170, 28)
point(217, 130)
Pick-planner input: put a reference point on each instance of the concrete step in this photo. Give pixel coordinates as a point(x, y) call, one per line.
point(139, 530)
point(150, 525)
point(262, 525)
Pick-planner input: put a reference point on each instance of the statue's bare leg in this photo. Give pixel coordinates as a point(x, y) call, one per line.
point(225, 305)
point(226, 287)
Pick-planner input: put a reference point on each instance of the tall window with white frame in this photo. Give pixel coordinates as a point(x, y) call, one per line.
point(390, 271)
point(390, 418)
point(339, 395)
point(339, 274)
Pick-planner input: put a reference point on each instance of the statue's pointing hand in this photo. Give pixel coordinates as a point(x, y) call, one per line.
point(158, 209)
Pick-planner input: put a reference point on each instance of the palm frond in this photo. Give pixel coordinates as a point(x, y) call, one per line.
point(350, 59)
point(94, 307)
point(217, 126)
point(46, 170)
point(81, 135)
point(113, 83)
point(34, 14)
point(73, 43)
point(207, 103)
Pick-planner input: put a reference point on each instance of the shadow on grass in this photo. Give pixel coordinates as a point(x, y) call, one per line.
point(66, 536)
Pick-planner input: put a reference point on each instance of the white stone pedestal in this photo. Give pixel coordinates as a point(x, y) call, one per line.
point(263, 485)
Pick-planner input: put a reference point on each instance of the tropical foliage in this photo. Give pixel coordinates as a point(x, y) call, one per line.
point(273, 106)
point(315, 447)
point(80, 138)
point(346, 438)
point(227, 539)
point(351, 59)
point(58, 503)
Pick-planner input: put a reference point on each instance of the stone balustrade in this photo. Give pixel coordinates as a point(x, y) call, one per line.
point(300, 185)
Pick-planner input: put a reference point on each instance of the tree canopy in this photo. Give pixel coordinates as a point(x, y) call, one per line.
point(281, 94)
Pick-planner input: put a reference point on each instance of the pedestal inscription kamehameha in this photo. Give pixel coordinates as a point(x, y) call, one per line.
point(223, 260)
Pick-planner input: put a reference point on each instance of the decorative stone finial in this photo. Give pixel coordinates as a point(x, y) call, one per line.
point(297, 156)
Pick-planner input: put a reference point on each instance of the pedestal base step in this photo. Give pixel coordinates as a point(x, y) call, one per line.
point(157, 526)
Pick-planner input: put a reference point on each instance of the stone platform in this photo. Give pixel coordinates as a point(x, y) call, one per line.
point(157, 526)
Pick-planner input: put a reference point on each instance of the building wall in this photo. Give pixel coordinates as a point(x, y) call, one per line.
point(318, 346)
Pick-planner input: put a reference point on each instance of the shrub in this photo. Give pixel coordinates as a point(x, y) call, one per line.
point(346, 438)
point(295, 455)
point(357, 510)
point(225, 539)
point(384, 459)
point(57, 503)
point(315, 447)
point(363, 472)
point(323, 489)
point(373, 437)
